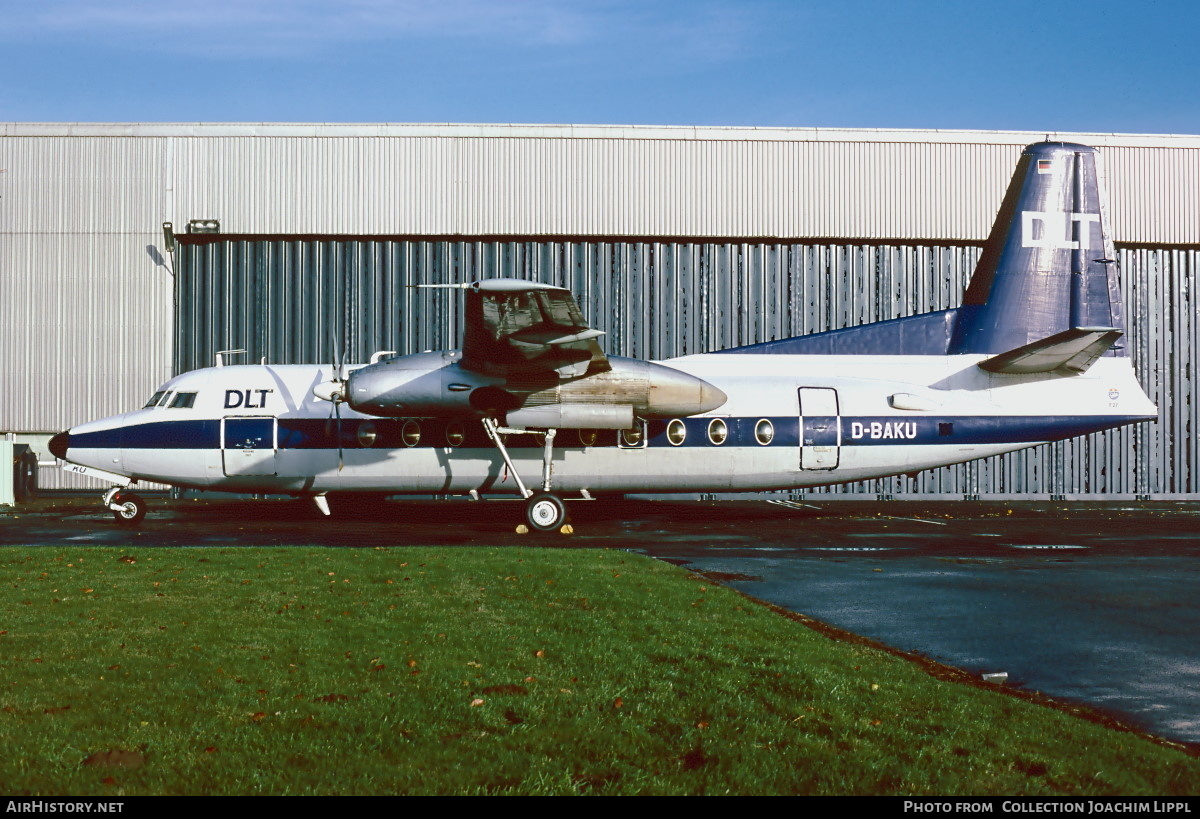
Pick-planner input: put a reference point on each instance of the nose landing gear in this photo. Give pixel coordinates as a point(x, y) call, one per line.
point(127, 508)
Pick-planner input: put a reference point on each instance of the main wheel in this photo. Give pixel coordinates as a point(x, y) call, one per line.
point(545, 512)
point(132, 510)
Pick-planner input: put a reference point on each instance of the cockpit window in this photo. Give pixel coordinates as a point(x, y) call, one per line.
point(183, 400)
point(154, 399)
point(166, 399)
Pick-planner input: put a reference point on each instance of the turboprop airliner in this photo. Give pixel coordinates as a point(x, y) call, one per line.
point(531, 405)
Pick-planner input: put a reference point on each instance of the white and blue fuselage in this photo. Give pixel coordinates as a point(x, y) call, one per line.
point(790, 421)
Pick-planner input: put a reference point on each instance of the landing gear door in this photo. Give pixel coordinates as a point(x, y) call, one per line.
point(248, 446)
point(820, 428)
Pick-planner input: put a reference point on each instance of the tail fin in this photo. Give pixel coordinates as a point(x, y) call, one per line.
point(1048, 266)
point(1044, 296)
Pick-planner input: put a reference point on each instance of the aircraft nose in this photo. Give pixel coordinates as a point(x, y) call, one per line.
point(60, 443)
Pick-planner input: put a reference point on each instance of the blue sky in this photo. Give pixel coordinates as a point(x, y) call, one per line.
point(1051, 65)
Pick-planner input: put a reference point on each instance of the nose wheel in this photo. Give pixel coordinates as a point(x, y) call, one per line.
point(545, 512)
point(127, 508)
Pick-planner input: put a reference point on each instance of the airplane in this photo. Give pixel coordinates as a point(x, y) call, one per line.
point(531, 405)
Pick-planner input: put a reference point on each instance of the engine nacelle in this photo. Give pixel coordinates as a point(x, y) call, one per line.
point(421, 384)
point(653, 390)
point(436, 384)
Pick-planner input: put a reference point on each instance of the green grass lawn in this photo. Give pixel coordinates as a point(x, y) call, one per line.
point(505, 670)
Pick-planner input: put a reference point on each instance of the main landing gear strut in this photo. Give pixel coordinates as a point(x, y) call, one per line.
point(544, 510)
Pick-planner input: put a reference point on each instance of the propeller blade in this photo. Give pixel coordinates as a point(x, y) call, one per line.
point(338, 363)
point(334, 390)
point(337, 409)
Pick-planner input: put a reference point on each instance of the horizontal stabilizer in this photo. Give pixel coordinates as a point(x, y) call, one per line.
point(1071, 351)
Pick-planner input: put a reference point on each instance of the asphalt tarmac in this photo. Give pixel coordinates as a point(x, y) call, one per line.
point(1089, 602)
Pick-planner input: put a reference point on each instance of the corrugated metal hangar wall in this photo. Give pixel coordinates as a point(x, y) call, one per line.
point(334, 222)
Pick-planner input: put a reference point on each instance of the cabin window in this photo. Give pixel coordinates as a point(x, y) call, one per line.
point(154, 399)
point(455, 434)
point(764, 432)
point(183, 400)
point(410, 433)
point(718, 431)
point(367, 434)
point(634, 438)
point(676, 432)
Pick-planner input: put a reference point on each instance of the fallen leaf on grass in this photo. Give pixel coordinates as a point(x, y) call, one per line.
point(331, 698)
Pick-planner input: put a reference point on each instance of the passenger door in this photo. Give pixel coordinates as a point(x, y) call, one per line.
point(248, 445)
point(820, 428)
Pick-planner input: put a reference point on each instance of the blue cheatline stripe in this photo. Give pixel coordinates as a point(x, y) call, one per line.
point(191, 434)
point(319, 433)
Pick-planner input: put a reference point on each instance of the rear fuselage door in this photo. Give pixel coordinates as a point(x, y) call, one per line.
point(248, 445)
point(820, 428)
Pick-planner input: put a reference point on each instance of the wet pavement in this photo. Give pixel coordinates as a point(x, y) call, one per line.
point(1089, 602)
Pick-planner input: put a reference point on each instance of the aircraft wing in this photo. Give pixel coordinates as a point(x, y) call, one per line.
point(517, 327)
